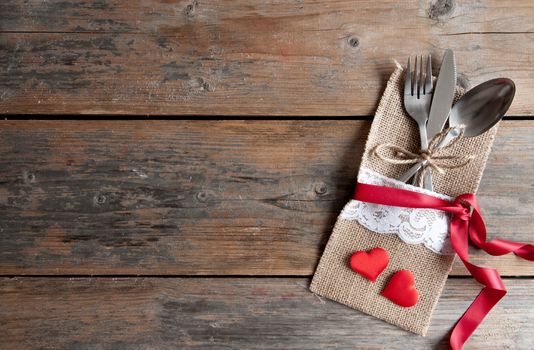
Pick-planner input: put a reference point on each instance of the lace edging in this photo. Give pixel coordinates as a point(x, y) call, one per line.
point(428, 227)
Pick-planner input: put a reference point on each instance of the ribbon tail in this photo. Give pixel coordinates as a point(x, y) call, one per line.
point(494, 289)
point(474, 315)
point(488, 297)
point(496, 247)
point(499, 247)
point(526, 251)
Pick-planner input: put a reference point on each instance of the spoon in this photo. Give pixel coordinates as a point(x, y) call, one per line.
point(478, 110)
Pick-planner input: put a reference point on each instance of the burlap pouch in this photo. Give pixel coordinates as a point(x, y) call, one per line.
point(335, 280)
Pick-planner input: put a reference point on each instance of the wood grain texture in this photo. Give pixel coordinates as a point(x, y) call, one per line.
point(246, 57)
point(207, 313)
point(208, 197)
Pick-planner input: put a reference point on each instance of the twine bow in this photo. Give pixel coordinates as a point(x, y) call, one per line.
point(437, 156)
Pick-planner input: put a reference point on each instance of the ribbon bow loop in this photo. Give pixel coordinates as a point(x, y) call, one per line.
point(465, 205)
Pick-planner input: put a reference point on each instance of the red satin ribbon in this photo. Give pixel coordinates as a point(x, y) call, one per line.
point(466, 224)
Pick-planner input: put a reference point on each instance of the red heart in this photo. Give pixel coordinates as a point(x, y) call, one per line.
point(401, 290)
point(369, 265)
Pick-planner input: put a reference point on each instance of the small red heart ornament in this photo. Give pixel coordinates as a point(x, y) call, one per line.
point(401, 290)
point(369, 265)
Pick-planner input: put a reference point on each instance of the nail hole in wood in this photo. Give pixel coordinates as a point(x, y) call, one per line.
point(202, 196)
point(321, 188)
point(354, 42)
point(100, 199)
point(28, 177)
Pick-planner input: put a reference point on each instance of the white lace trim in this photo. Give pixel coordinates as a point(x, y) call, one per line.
point(428, 227)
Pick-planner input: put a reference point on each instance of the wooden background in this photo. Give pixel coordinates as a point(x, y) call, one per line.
point(185, 231)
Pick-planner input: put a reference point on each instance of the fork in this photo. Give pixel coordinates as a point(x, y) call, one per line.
point(417, 99)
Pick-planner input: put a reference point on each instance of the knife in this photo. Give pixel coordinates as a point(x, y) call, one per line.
point(441, 102)
point(443, 95)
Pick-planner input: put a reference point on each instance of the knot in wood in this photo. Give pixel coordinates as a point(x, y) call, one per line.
point(190, 9)
point(441, 9)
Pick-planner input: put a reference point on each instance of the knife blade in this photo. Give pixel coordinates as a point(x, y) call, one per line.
point(443, 95)
point(441, 103)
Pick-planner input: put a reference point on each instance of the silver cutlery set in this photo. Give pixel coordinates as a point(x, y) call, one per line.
point(431, 107)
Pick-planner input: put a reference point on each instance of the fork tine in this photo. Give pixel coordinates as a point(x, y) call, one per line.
point(428, 83)
point(415, 79)
point(421, 79)
point(408, 80)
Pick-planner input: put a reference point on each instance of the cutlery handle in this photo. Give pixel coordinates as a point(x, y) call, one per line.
point(455, 132)
point(424, 145)
point(427, 181)
point(411, 172)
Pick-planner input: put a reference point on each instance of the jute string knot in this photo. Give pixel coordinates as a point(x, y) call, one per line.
point(437, 156)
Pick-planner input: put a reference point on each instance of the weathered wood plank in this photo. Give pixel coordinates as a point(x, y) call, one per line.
point(206, 313)
point(207, 197)
point(246, 57)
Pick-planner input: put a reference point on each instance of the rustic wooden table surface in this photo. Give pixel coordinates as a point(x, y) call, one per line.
point(165, 229)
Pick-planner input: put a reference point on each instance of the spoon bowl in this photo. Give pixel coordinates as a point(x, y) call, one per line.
point(483, 106)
